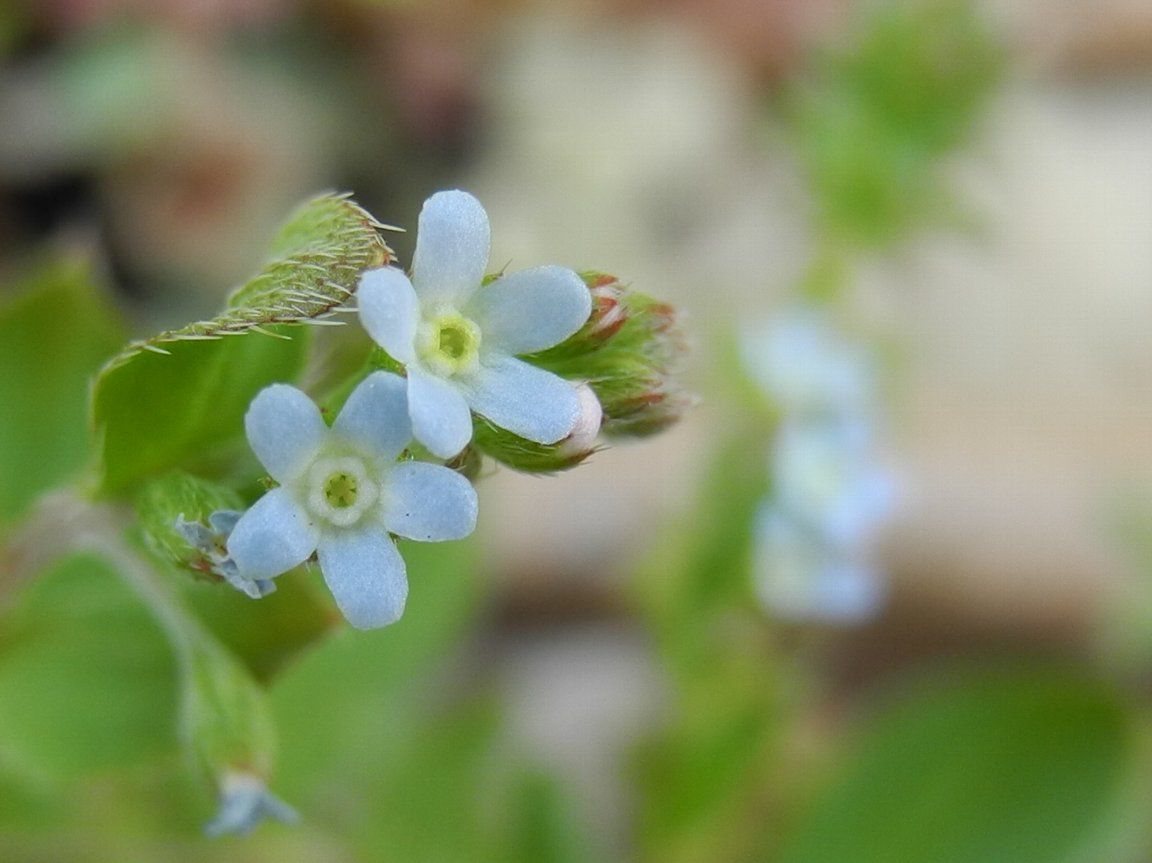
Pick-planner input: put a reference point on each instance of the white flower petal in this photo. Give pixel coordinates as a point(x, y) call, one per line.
point(389, 311)
point(531, 402)
point(272, 537)
point(452, 244)
point(440, 416)
point(376, 415)
point(429, 503)
point(531, 310)
point(284, 429)
point(366, 575)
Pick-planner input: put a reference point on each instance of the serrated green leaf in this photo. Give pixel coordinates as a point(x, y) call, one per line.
point(167, 401)
point(1024, 766)
point(54, 333)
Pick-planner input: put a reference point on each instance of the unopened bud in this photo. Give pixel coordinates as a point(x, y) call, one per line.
point(530, 457)
point(630, 352)
point(182, 518)
point(649, 411)
point(609, 312)
point(245, 801)
point(227, 723)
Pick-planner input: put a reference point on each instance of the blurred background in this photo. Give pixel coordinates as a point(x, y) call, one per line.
point(642, 659)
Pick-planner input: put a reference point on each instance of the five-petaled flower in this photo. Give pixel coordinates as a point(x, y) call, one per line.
point(342, 492)
point(459, 339)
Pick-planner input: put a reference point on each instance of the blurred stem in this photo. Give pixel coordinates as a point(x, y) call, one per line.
point(57, 527)
point(64, 524)
point(826, 276)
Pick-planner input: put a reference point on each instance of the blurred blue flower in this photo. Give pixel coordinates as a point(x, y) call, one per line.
point(831, 493)
point(342, 492)
point(802, 577)
point(805, 366)
point(459, 341)
point(826, 472)
point(245, 801)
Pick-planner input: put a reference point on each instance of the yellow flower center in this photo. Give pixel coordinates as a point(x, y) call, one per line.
point(449, 344)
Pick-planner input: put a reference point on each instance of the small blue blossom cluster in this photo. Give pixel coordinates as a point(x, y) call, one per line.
point(815, 534)
point(343, 492)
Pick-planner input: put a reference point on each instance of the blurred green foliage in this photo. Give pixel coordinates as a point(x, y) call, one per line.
point(704, 776)
point(878, 115)
point(55, 331)
point(1027, 765)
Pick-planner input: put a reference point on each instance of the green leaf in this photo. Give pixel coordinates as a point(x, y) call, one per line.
point(1024, 766)
point(329, 756)
point(54, 333)
point(266, 634)
point(87, 679)
point(154, 412)
point(169, 400)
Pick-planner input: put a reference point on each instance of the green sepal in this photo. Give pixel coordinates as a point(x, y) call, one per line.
point(522, 454)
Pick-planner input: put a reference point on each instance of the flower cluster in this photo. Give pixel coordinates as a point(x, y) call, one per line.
point(343, 492)
point(815, 534)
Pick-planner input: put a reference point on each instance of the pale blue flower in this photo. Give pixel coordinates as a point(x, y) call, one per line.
point(245, 801)
point(459, 340)
point(342, 492)
point(801, 576)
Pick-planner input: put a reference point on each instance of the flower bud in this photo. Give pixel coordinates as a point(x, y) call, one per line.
point(182, 517)
point(650, 410)
point(629, 352)
point(245, 801)
point(530, 457)
point(609, 313)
